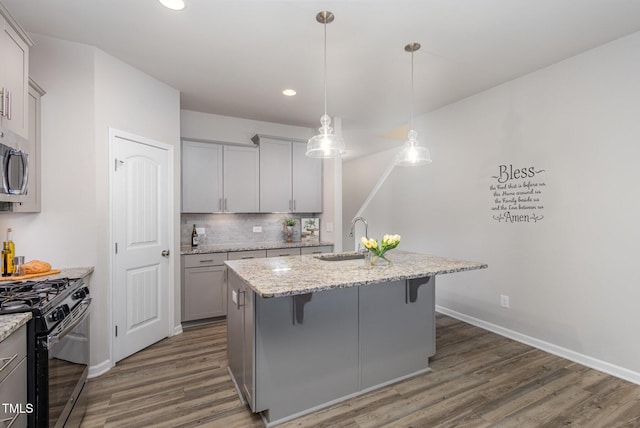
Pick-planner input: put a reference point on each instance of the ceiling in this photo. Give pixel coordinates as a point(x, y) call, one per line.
point(234, 57)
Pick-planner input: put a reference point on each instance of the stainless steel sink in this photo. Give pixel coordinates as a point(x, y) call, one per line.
point(341, 257)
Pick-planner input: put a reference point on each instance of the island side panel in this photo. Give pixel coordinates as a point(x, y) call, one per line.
point(397, 336)
point(300, 365)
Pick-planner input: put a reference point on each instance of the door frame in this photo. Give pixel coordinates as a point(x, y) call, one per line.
point(113, 134)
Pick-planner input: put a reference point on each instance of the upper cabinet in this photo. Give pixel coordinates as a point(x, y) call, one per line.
point(31, 202)
point(289, 180)
point(219, 178)
point(14, 75)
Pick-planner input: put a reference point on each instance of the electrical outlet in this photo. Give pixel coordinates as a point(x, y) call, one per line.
point(504, 301)
point(257, 229)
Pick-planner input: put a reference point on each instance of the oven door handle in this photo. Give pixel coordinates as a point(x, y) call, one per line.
point(53, 339)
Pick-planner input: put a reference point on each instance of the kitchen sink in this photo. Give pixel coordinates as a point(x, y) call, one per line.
point(341, 257)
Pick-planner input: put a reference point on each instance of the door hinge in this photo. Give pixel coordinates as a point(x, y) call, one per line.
point(116, 331)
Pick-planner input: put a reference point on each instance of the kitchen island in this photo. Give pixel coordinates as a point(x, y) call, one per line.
point(305, 332)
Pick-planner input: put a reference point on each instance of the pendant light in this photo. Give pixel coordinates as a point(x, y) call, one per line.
point(412, 153)
point(326, 144)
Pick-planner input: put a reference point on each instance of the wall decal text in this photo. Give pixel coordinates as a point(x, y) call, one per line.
point(517, 194)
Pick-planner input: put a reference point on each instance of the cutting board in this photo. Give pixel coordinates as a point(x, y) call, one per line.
point(28, 276)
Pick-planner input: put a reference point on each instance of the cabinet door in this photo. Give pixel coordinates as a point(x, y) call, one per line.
point(275, 176)
point(201, 177)
point(283, 252)
point(205, 293)
point(241, 179)
point(307, 181)
point(14, 77)
point(31, 202)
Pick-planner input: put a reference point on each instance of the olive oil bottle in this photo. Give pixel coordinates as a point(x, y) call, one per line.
point(7, 259)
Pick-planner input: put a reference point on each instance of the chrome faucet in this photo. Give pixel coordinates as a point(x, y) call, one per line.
point(353, 226)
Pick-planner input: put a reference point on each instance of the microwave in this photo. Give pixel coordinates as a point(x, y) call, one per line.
point(14, 167)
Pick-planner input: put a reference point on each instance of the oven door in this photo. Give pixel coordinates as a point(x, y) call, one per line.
point(67, 365)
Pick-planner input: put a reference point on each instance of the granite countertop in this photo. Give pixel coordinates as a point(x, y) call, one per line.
point(227, 248)
point(11, 322)
point(288, 276)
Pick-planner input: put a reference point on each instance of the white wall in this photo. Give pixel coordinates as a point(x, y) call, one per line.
point(572, 276)
point(211, 127)
point(89, 91)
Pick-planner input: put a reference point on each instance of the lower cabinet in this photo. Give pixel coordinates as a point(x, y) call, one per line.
point(13, 379)
point(283, 252)
point(204, 286)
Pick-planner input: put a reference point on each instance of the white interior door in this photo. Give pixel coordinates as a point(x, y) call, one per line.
point(140, 203)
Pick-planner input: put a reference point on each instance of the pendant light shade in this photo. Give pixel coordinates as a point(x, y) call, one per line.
point(326, 144)
point(412, 153)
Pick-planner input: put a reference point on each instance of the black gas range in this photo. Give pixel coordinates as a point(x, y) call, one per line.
point(57, 346)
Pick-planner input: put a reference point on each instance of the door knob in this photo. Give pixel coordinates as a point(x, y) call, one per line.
point(165, 253)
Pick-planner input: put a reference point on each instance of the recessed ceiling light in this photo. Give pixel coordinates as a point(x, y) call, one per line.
point(173, 4)
point(289, 92)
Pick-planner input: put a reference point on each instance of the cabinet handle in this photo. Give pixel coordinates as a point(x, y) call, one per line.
point(8, 360)
point(294, 204)
point(250, 257)
point(3, 104)
point(290, 205)
point(225, 204)
point(206, 261)
point(243, 299)
point(9, 105)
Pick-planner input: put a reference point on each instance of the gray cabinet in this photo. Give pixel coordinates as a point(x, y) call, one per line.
point(289, 180)
point(201, 177)
point(249, 254)
point(316, 250)
point(14, 75)
point(275, 176)
point(241, 338)
point(13, 378)
point(307, 181)
point(204, 286)
point(283, 252)
point(219, 178)
point(31, 203)
point(241, 179)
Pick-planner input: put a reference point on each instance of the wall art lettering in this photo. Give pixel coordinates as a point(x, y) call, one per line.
point(517, 194)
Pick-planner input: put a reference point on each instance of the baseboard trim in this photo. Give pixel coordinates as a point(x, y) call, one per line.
point(576, 357)
point(99, 369)
point(177, 329)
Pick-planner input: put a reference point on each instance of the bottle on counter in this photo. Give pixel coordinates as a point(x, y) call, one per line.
point(194, 237)
point(7, 260)
point(12, 246)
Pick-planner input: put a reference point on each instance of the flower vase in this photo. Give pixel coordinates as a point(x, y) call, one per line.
point(379, 261)
point(289, 232)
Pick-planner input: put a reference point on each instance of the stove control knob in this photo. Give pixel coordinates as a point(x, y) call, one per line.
point(65, 310)
point(57, 314)
point(80, 294)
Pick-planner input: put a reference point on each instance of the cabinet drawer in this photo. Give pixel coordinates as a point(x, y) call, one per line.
point(316, 250)
point(254, 254)
point(13, 350)
point(283, 252)
point(13, 391)
point(199, 260)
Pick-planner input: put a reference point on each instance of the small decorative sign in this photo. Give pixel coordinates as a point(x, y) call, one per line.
point(517, 194)
point(310, 230)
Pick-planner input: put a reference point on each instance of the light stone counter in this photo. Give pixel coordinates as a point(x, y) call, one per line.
point(12, 322)
point(227, 248)
point(294, 275)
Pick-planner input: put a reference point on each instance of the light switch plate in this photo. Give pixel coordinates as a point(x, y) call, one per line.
point(329, 227)
point(257, 229)
point(200, 230)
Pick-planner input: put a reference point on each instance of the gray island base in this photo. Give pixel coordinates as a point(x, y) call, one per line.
point(304, 333)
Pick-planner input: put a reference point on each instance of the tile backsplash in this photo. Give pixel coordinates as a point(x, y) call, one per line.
point(237, 228)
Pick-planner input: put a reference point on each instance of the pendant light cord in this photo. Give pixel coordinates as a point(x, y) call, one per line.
point(325, 66)
point(411, 123)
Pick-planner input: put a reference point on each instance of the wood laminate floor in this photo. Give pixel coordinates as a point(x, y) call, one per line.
point(479, 379)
